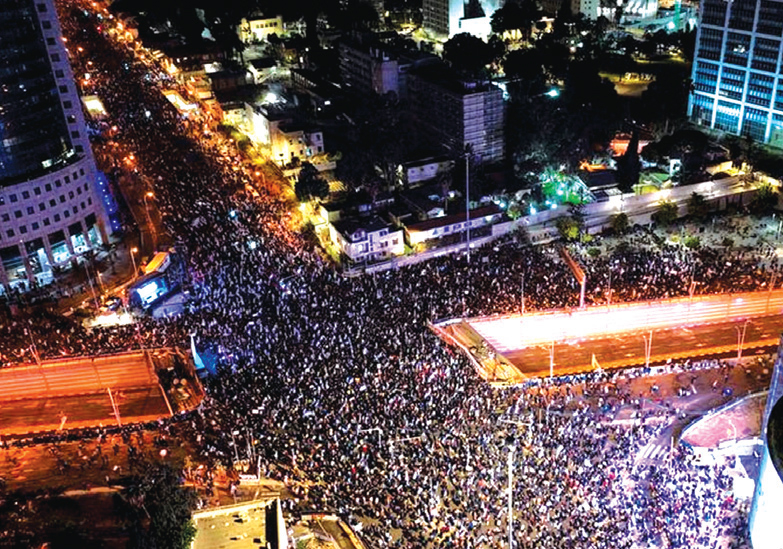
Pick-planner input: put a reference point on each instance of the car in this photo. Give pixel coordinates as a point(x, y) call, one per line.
point(112, 303)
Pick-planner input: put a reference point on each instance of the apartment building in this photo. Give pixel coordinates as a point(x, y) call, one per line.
point(459, 113)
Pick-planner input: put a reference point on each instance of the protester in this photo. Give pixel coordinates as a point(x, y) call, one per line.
point(337, 387)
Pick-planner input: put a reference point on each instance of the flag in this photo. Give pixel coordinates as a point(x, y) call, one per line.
point(595, 364)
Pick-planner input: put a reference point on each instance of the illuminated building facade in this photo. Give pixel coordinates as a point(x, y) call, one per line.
point(445, 18)
point(51, 207)
point(737, 86)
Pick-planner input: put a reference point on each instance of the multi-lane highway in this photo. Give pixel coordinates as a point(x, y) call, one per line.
point(513, 333)
point(80, 392)
point(76, 376)
point(511, 349)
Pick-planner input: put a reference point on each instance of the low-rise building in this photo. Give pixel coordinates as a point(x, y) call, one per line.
point(439, 227)
point(419, 171)
point(369, 240)
point(261, 69)
point(293, 141)
point(288, 139)
point(258, 29)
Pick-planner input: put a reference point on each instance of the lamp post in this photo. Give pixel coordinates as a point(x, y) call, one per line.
point(741, 339)
point(552, 360)
point(523, 293)
point(647, 349)
point(467, 199)
point(147, 195)
point(133, 252)
point(511, 449)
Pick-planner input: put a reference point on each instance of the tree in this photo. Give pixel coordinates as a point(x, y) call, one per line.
point(310, 185)
point(620, 223)
point(525, 71)
point(697, 206)
point(568, 227)
point(765, 201)
point(667, 212)
point(157, 508)
point(692, 242)
point(629, 167)
point(468, 54)
point(383, 138)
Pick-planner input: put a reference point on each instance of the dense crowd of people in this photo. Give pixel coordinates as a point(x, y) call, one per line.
point(337, 386)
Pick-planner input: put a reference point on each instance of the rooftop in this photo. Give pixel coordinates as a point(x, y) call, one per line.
point(484, 211)
point(348, 227)
point(263, 63)
point(598, 179)
point(445, 77)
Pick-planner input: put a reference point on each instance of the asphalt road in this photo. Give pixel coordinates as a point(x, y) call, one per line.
point(628, 349)
point(75, 376)
point(511, 333)
point(46, 414)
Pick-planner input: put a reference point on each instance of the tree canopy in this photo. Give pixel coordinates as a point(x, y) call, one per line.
point(620, 223)
point(468, 53)
point(697, 206)
point(667, 213)
point(628, 166)
point(310, 185)
point(157, 508)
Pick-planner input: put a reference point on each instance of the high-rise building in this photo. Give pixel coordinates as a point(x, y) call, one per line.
point(370, 65)
point(50, 207)
point(458, 113)
point(445, 18)
point(737, 84)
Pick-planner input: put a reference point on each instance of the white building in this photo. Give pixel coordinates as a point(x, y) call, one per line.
point(258, 29)
point(418, 171)
point(277, 129)
point(370, 240)
point(458, 113)
point(445, 18)
point(439, 227)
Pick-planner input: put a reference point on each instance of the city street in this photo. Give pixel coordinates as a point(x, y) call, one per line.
point(42, 414)
point(622, 334)
point(628, 348)
point(76, 376)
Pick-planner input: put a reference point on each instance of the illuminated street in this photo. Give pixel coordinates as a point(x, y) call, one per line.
point(279, 335)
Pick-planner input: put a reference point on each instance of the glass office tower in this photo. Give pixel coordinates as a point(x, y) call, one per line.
point(736, 72)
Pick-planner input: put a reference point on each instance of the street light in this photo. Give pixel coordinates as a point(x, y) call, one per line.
point(741, 339)
point(511, 449)
point(134, 251)
point(522, 301)
point(149, 194)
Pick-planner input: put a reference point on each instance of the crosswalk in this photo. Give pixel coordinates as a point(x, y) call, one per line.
point(653, 453)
